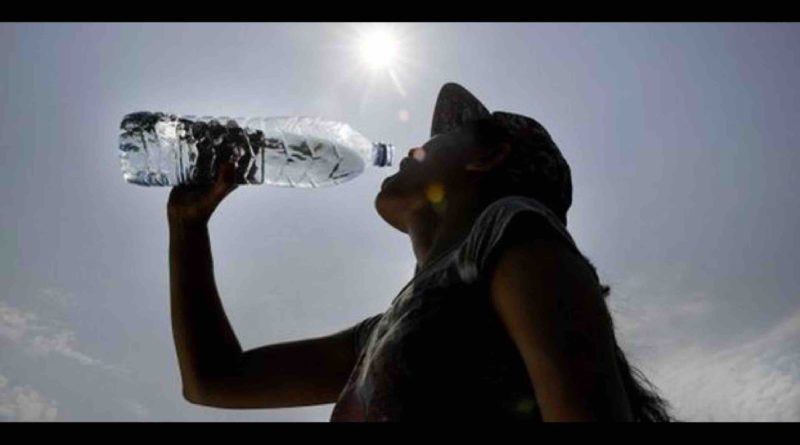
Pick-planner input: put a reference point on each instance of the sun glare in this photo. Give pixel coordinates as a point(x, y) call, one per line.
point(380, 55)
point(379, 48)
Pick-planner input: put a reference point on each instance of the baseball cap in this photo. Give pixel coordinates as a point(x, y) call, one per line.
point(537, 161)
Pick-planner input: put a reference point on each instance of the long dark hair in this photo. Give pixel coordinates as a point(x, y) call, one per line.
point(645, 402)
point(516, 177)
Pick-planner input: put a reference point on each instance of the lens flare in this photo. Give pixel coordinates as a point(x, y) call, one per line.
point(435, 192)
point(403, 115)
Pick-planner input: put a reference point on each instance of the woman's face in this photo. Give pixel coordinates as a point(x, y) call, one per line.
point(427, 176)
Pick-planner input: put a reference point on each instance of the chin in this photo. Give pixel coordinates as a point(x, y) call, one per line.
point(393, 207)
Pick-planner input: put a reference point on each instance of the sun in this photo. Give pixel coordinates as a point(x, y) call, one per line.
point(378, 48)
point(376, 55)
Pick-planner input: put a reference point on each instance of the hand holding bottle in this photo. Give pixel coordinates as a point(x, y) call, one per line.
point(193, 205)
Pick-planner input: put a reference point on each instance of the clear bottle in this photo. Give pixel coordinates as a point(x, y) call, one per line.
point(160, 149)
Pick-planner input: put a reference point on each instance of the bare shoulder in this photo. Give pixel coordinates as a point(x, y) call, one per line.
point(544, 259)
point(543, 280)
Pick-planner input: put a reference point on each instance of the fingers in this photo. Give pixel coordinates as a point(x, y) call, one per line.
point(225, 181)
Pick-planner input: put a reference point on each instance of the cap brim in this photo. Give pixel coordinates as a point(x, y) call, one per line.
point(454, 107)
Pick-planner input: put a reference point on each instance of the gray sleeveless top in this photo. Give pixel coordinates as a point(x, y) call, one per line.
point(440, 351)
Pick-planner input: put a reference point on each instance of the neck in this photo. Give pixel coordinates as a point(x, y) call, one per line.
point(434, 229)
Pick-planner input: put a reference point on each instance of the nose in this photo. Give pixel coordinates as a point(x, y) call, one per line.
point(417, 153)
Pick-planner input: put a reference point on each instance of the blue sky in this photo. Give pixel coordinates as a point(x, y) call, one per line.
point(681, 139)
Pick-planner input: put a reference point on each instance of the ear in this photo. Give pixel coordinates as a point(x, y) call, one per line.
point(490, 158)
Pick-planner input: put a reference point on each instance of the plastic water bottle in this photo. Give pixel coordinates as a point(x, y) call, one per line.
point(160, 149)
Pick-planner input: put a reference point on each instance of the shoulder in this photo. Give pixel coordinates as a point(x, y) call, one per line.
point(505, 223)
point(515, 216)
point(540, 256)
point(361, 331)
point(536, 261)
point(541, 279)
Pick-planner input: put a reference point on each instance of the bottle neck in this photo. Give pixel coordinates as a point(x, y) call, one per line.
point(382, 154)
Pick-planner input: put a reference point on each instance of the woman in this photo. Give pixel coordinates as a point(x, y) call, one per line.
point(503, 319)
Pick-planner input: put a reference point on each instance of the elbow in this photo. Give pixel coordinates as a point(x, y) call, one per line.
point(199, 393)
point(193, 396)
point(209, 395)
point(202, 399)
point(205, 388)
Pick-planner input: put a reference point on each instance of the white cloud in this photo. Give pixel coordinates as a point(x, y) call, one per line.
point(665, 333)
point(26, 330)
point(57, 297)
point(23, 403)
point(61, 343)
point(136, 408)
point(14, 323)
point(754, 381)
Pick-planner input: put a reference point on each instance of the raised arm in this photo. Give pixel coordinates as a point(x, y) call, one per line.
point(215, 371)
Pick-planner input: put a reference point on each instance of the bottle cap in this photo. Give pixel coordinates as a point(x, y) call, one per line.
point(382, 154)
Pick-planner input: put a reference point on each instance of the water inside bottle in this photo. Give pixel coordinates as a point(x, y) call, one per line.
point(167, 150)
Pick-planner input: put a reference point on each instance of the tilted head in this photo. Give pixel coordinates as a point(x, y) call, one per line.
point(478, 155)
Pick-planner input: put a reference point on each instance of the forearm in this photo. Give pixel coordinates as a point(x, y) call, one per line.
point(206, 345)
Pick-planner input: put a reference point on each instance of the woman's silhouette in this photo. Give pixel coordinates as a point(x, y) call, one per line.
point(503, 319)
